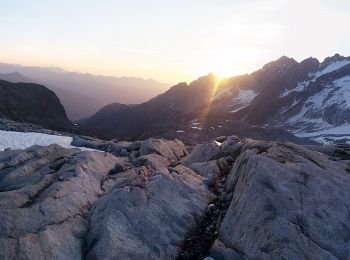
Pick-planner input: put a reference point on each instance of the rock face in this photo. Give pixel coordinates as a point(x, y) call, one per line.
point(227, 199)
point(214, 150)
point(288, 202)
point(58, 203)
point(146, 215)
point(45, 193)
point(32, 103)
point(172, 150)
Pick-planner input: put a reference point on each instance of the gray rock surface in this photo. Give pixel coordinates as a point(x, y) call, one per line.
point(154, 162)
point(279, 200)
point(172, 150)
point(214, 150)
point(146, 215)
point(288, 202)
point(209, 170)
point(203, 152)
point(86, 141)
point(44, 194)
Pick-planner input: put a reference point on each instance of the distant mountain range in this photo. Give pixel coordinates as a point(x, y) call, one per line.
point(310, 99)
point(84, 94)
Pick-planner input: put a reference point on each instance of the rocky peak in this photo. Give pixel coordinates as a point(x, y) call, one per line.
point(279, 64)
point(310, 64)
point(335, 58)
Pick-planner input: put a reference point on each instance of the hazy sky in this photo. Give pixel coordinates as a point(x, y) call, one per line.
point(170, 41)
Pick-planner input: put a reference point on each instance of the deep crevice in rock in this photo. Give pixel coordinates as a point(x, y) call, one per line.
point(198, 243)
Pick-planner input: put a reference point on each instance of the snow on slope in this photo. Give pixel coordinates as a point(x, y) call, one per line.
point(329, 135)
point(323, 116)
point(20, 140)
point(338, 92)
point(332, 67)
point(313, 77)
point(243, 99)
point(245, 96)
point(223, 93)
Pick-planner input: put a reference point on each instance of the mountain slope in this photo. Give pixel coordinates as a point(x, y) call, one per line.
point(184, 111)
point(76, 105)
point(32, 103)
point(102, 90)
point(302, 98)
point(132, 121)
point(316, 105)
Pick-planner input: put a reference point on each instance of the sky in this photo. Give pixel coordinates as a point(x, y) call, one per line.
point(170, 41)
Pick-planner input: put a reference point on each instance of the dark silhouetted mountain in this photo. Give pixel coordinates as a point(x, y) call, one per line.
point(126, 121)
point(77, 105)
point(88, 93)
point(32, 103)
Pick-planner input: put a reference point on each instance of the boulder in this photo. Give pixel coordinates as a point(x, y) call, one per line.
point(45, 193)
point(210, 170)
point(172, 150)
point(89, 142)
point(214, 150)
point(146, 215)
point(203, 152)
point(154, 162)
point(288, 202)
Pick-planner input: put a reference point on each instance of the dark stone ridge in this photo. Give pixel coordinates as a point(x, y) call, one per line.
point(230, 198)
point(32, 103)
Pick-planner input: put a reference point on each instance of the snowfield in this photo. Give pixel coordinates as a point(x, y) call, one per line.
point(20, 140)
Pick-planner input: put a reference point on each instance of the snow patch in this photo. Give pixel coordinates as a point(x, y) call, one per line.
point(332, 67)
point(222, 93)
point(218, 143)
point(21, 140)
point(245, 96)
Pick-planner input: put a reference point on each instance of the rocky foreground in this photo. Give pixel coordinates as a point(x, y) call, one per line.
point(157, 199)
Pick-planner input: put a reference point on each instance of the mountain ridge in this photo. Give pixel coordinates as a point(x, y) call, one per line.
point(95, 91)
point(241, 99)
point(32, 103)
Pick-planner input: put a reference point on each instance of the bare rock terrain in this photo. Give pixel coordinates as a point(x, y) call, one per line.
point(227, 199)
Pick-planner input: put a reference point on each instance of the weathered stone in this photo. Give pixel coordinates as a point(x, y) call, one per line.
point(172, 150)
point(146, 215)
point(42, 217)
point(89, 142)
point(231, 146)
point(209, 170)
point(288, 202)
point(203, 152)
point(154, 162)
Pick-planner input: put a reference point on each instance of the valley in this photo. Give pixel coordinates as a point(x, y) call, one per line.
point(250, 167)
